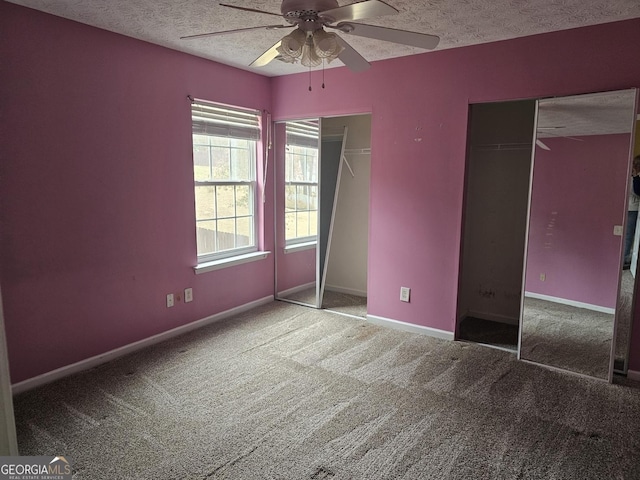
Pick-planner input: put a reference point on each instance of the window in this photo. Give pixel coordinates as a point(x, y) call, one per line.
point(301, 182)
point(224, 165)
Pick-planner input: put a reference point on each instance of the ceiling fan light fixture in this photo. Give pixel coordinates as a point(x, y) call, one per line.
point(326, 45)
point(291, 45)
point(309, 56)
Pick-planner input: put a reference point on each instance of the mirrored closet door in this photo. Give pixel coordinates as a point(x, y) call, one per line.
point(297, 151)
point(574, 257)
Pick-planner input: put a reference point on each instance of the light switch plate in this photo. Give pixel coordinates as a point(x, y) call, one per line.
point(617, 230)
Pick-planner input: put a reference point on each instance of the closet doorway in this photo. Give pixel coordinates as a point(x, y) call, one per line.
point(327, 266)
point(541, 263)
point(495, 222)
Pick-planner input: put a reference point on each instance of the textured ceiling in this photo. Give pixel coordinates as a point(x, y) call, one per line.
point(457, 22)
point(595, 114)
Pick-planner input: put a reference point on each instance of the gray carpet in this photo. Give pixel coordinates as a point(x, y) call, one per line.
point(289, 392)
point(306, 296)
point(566, 337)
point(335, 301)
point(345, 303)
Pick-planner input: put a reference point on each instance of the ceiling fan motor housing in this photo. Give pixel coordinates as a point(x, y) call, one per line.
point(307, 15)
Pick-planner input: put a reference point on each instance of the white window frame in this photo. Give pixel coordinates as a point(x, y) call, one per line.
point(221, 121)
point(302, 134)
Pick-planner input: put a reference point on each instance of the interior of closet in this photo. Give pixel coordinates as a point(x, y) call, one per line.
point(494, 222)
point(346, 141)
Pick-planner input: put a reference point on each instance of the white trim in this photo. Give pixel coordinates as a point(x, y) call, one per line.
point(132, 347)
point(633, 375)
point(410, 327)
point(348, 291)
point(571, 303)
point(299, 247)
point(493, 317)
point(297, 289)
point(230, 262)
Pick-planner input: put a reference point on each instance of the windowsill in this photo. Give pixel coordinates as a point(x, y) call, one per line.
point(229, 262)
point(299, 247)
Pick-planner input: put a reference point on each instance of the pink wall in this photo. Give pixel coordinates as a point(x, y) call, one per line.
point(419, 128)
point(573, 212)
point(97, 222)
point(97, 193)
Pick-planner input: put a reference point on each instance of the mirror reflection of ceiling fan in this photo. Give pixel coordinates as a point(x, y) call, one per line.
point(311, 44)
point(550, 132)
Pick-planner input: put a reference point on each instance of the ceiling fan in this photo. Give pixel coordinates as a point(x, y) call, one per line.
point(310, 43)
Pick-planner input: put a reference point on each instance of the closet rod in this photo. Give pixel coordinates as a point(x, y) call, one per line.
point(503, 146)
point(358, 151)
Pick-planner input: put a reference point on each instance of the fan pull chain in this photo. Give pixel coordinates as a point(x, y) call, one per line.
point(323, 73)
point(309, 78)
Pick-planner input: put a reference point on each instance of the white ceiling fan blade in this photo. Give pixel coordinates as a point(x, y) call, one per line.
point(237, 30)
point(266, 57)
point(547, 133)
point(245, 9)
point(357, 11)
point(542, 145)
point(403, 37)
point(352, 59)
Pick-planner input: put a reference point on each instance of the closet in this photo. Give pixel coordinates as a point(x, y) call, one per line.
point(328, 268)
point(545, 206)
point(495, 219)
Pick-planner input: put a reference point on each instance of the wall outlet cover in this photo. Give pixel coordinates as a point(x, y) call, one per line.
point(405, 293)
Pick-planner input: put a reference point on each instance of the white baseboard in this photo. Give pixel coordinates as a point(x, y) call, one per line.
point(410, 327)
point(633, 375)
point(348, 291)
point(494, 317)
point(572, 303)
point(132, 347)
point(291, 291)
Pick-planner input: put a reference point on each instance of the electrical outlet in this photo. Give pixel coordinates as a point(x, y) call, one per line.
point(188, 295)
point(543, 277)
point(405, 292)
point(617, 230)
point(169, 300)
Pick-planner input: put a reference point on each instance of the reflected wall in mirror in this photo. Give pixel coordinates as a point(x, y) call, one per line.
point(297, 200)
point(577, 211)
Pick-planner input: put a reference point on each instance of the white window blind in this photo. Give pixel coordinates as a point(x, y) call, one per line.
point(303, 133)
point(217, 120)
